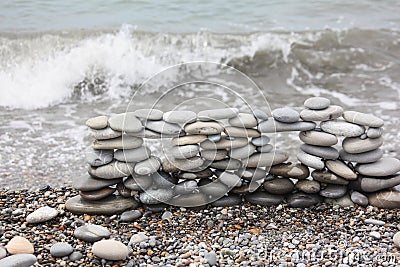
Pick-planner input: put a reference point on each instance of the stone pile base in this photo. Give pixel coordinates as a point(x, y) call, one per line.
point(223, 157)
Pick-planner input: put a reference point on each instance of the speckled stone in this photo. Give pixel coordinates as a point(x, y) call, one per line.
point(241, 132)
point(204, 128)
point(104, 134)
point(342, 128)
point(329, 113)
point(42, 214)
point(156, 196)
point(260, 115)
point(175, 165)
point(310, 160)
point(308, 186)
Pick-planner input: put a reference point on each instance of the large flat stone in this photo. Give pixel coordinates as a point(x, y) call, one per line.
point(265, 159)
point(272, 126)
point(163, 127)
point(206, 128)
point(329, 113)
point(318, 138)
point(123, 142)
point(342, 128)
point(320, 151)
point(132, 155)
point(264, 199)
point(217, 114)
point(366, 157)
point(114, 169)
point(225, 143)
point(382, 167)
point(108, 206)
point(89, 183)
point(363, 119)
point(372, 184)
point(125, 122)
point(388, 199)
point(356, 145)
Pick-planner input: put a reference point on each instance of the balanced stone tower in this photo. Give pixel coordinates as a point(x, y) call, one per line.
point(223, 157)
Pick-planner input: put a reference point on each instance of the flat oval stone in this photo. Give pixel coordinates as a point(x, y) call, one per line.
point(320, 151)
point(265, 159)
point(260, 114)
point(182, 164)
point(61, 249)
point(363, 119)
point(132, 155)
point(148, 134)
point(123, 142)
point(226, 164)
point(318, 138)
point(286, 114)
point(382, 167)
point(260, 141)
point(244, 120)
point(110, 250)
point(251, 174)
point(333, 191)
point(98, 157)
point(162, 127)
point(217, 114)
point(97, 123)
point(225, 143)
point(213, 188)
point(184, 152)
point(185, 187)
point(242, 152)
point(290, 170)
point(147, 166)
point(371, 184)
point(359, 198)
point(241, 132)
point(206, 173)
point(303, 200)
point(213, 155)
point(89, 183)
point(229, 179)
point(344, 201)
point(265, 149)
point(329, 113)
point(341, 169)
point(130, 216)
point(227, 201)
point(387, 199)
point(328, 178)
point(342, 128)
point(97, 194)
point(189, 200)
point(114, 169)
point(19, 260)
point(317, 102)
point(374, 132)
point(206, 128)
point(107, 206)
point(308, 186)
point(357, 145)
point(272, 126)
point(279, 186)
point(180, 116)
point(156, 196)
point(366, 157)
point(125, 122)
point(138, 182)
point(264, 199)
point(188, 140)
point(19, 245)
point(104, 134)
point(310, 160)
point(148, 114)
point(42, 214)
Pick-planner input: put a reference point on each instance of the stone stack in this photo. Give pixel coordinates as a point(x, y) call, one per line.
point(223, 156)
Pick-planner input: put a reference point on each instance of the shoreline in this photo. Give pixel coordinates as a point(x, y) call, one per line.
point(236, 236)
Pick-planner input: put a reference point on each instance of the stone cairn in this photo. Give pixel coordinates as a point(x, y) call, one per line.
point(222, 157)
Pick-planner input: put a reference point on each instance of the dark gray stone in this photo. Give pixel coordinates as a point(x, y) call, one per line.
point(320, 151)
point(303, 200)
point(264, 199)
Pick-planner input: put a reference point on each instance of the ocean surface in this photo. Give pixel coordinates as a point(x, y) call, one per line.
point(62, 62)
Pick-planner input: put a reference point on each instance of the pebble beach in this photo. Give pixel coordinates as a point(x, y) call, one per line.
point(246, 235)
